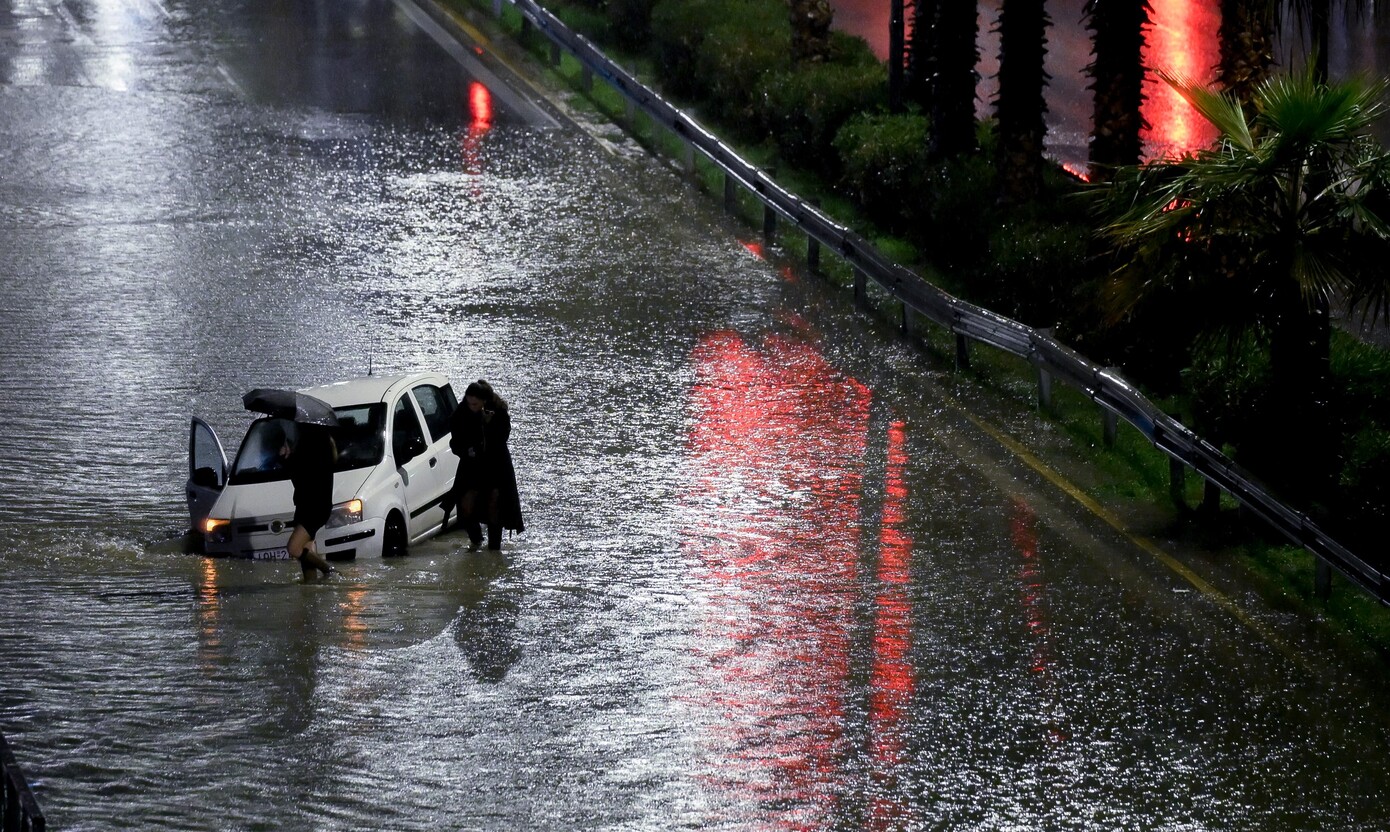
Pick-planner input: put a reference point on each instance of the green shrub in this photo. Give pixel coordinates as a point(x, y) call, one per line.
point(1033, 272)
point(883, 159)
point(961, 212)
point(1227, 388)
point(1364, 484)
point(1361, 403)
point(851, 50)
point(805, 108)
point(734, 66)
point(630, 22)
point(584, 19)
point(689, 47)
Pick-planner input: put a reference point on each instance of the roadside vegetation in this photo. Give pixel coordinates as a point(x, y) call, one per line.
point(1208, 280)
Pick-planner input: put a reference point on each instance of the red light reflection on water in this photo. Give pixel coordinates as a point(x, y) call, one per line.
point(479, 105)
point(893, 680)
point(1033, 597)
point(777, 442)
point(1023, 525)
point(479, 123)
point(757, 249)
point(1182, 41)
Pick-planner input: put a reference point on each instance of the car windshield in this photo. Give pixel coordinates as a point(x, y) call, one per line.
point(360, 437)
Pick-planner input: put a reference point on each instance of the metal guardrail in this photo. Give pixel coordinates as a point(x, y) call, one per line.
point(19, 811)
point(1104, 386)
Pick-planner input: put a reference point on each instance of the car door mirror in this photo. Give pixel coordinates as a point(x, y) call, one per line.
point(206, 478)
point(409, 449)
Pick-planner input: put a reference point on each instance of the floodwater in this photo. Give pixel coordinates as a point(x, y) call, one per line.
point(774, 578)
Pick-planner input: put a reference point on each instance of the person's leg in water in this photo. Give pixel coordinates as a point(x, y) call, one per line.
point(494, 522)
point(302, 549)
point(467, 519)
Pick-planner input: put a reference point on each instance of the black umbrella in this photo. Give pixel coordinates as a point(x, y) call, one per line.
point(290, 404)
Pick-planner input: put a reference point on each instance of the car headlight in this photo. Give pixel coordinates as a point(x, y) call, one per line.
point(345, 514)
point(217, 530)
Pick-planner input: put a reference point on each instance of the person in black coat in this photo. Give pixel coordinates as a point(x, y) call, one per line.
point(310, 459)
point(485, 485)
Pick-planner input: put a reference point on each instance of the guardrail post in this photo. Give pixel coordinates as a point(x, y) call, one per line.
point(962, 351)
point(769, 222)
point(632, 115)
point(1322, 578)
point(586, 80)
point(689, 157)
point(1211, 498)
point(525, 29)
point(730, 195)
point(1110, 425)
point(1177, 482)
point(861, 287)
point(554, 54)
point(813, 255)
point(1044, 389)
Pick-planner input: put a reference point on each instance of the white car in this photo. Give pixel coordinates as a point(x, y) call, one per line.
point(394, 475)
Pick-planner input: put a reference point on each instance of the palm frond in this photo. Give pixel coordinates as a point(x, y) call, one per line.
point(1300, 113)
point(1224, 111)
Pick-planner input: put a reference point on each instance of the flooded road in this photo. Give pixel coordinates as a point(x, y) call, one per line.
point(773, 576)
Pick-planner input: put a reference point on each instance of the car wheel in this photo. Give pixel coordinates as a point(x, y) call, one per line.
point(393, 541)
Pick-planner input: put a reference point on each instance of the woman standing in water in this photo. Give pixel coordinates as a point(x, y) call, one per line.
point(485, 485)
point(310, 461)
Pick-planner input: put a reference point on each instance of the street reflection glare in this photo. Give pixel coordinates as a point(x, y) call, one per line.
point(777, 444)
point(893, 682)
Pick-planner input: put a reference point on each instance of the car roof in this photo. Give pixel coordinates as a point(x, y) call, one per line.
point(368, 389)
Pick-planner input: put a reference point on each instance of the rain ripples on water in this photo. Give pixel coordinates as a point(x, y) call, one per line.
point(771, 579)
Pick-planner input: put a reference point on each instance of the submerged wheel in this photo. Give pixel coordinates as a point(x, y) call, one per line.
point(393, 540)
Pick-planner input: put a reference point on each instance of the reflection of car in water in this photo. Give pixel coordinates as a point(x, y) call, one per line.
point(393, 477)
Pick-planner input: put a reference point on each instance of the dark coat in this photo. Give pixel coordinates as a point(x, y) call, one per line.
point(485, 462)
point(311, 466)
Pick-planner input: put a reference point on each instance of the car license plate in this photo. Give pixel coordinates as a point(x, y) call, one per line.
point(271, 554)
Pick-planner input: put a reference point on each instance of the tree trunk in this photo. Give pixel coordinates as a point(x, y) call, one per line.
point(920, 72)
point(953, 98)
point(1020, 105)
point(1117, 73)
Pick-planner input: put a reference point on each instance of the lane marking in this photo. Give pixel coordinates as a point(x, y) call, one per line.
point(523, 106)
point(1213, 594)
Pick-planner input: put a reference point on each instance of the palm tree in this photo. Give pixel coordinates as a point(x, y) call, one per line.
point(1286, 213)
point(954, 83)
point(1019, 105)
point(1117, 77)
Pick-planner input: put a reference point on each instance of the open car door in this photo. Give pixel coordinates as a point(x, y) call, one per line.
point(207, 471)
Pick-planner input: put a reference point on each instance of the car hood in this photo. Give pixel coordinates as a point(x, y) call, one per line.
point(270, 498)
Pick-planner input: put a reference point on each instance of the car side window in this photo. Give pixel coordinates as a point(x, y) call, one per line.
point(434, 404)
point(407, 439)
